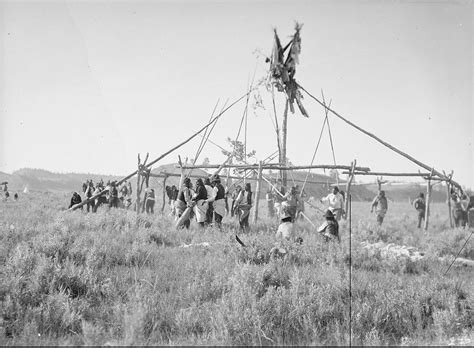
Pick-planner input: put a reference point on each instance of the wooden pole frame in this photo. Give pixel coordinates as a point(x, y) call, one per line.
point(428, 201)
point(275, 167)
point(348, 185)
point(257, 194)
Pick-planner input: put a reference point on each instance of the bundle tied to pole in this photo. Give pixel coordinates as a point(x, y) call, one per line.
point(283, 69)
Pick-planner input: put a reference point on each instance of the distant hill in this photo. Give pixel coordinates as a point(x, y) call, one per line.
point(405, 191)
point(43, 180)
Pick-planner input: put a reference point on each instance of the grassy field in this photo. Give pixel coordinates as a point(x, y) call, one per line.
point(114, 278)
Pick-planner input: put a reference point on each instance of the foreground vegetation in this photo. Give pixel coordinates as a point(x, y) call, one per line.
point(118, 278)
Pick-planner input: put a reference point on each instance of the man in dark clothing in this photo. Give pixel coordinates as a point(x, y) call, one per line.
point(330, 228)
point(149, 200)
point(16, 196)
point(210, 207)
point(420, 207)
point(217, 198)
point(113, 195)
point(76, 199)
point(199, 200)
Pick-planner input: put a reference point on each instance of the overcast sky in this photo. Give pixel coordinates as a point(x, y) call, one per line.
point(85, 86)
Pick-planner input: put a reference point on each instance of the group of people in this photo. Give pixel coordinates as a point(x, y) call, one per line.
point(207, 202)
point(114, 196)
point(6, 194)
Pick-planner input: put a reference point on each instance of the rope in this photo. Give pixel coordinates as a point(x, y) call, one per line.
point(315, 151)
point(330, 135)
point(205, 132)
point(198, 153)
point(467, 240)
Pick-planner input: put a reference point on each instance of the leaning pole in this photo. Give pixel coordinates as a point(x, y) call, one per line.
point(77, 206)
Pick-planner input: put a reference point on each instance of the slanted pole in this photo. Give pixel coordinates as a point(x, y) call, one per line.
point(257, 194)
point(393, 148)
point(284, 131)
point(77, 206)
point(348, 185)
point(164, 194)
point(428, 199)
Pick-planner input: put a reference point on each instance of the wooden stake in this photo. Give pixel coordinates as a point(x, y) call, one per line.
point(164, 194)
point(428, 199)
point(257, 194)
point(137, 203)
point(348, 185)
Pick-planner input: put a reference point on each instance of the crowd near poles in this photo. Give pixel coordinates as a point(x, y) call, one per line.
point(349, 183)
point(77, 206)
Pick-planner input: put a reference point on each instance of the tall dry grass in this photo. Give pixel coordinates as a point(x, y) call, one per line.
point(118, 278)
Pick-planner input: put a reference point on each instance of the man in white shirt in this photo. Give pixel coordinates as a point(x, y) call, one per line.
point(336, 202)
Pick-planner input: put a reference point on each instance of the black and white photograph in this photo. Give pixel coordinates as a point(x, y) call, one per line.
point(236, 173)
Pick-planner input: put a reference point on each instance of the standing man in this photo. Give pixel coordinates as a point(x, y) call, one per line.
point(244, 204)
point(113, 195)
point(149, 200)
point(210, 207)
point(290, 203)
point(183, 202)
point(420, 207)
point(217, 198)
point(199, 200)
point(336, 203)
point(380, 204)
point(88, 193)
point(270, 203)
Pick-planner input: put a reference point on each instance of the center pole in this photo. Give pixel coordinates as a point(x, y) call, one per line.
point(284, 131)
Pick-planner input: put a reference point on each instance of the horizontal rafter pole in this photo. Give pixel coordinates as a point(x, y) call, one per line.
point(163, 174)
point(389, 174)
point(276, 167)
